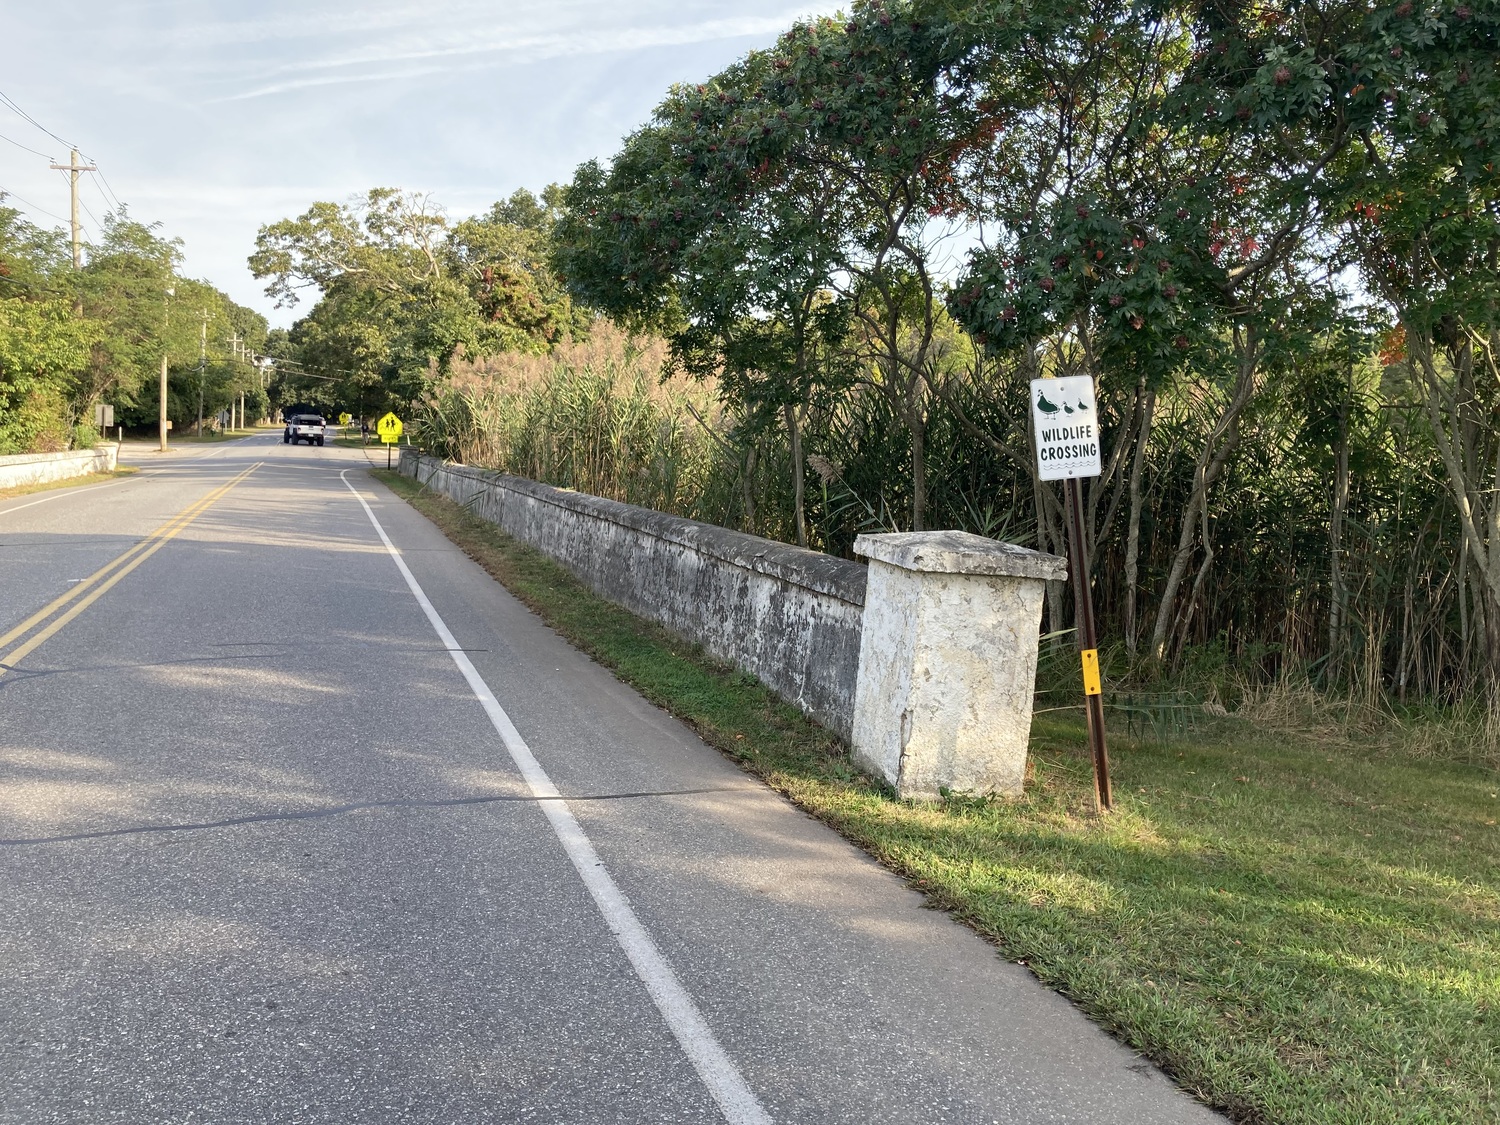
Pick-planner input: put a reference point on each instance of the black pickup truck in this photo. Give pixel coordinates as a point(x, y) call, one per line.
point(304, 427)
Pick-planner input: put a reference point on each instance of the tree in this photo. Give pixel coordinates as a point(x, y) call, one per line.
point(1140, 239)
point(1418, 201)
point(402, 290)
point(731, 263)
point(819, 169)
point(42, 345)
point(124, 286)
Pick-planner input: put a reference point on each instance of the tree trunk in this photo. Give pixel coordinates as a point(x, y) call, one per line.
point(1191, 605)
point(747, 482)
point(1217, 448)
point(916, 425)
point(794, 435)
point(1338, 594)
point(1047, 539)
point(1133, 535)
point(1460, 424)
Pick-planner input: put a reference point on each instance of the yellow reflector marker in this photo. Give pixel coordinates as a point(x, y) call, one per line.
point(1091, 684)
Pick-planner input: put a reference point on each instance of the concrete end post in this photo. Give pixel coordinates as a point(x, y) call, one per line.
point(947, 661)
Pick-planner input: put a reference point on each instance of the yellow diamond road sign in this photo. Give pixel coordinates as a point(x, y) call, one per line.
point(345, 418)
point(389, 429)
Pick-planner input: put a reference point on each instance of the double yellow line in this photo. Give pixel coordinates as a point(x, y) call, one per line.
point(96, 585)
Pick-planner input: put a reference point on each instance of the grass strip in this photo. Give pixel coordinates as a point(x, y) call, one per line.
point(1299, 933)
point(213, 437)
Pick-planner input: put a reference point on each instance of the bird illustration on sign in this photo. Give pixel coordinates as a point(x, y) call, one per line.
point(1046, 406)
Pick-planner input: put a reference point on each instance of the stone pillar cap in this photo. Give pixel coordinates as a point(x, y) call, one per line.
point(959, 552)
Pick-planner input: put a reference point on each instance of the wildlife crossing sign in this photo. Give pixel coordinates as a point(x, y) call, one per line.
point(1067, 427)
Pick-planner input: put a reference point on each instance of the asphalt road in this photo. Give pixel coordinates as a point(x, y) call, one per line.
point(298, 825)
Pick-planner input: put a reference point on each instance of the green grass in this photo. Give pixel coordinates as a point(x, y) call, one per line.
point(1297, 932)
point(69, 482)
point(213, 436)
point(354, 442)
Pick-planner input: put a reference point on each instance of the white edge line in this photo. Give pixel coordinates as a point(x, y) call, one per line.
point(65, 491)
point(60, 493)
point(717, 1071)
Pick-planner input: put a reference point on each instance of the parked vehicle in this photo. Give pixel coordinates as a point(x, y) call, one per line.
point(304, 427)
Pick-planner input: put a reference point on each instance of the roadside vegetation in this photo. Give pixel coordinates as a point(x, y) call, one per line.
point(73, 339)
point(1268, 234)
point(1301, 928)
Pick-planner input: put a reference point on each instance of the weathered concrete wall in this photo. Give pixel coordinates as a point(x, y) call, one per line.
point(789, 616)
point(39, 468)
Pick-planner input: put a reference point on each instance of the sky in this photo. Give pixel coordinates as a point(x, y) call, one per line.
point(215, 118)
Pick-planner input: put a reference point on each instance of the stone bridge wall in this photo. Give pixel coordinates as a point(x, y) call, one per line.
point(39, 468)
point(789, 616)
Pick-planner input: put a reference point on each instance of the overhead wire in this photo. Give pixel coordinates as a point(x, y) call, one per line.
point(118, 205)
point(32, 206)
point(108, 188)
point(291, 366)
point(6, 100)
point(90, 211)
point(28, 148)
point(98, 226)
point(83, 230)
point(105, 198)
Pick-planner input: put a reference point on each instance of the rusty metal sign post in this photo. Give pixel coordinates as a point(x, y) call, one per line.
point(1065, 421)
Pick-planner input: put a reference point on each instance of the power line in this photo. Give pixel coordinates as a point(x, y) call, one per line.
point(28, 148)
point(118, 205)
point(5, 98)
point(98, 226)
point(102, 196)
point(12, 195)
point(73, 168)
point(10, 102)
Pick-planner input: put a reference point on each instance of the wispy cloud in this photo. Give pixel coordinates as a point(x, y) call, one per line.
point(217, 116)
point(310, 21)
point(372, 66)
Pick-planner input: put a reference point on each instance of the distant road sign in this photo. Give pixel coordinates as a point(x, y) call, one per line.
point(345, 418)
point(1067, 427)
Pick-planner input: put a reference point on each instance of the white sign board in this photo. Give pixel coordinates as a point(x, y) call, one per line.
point(1066, 422)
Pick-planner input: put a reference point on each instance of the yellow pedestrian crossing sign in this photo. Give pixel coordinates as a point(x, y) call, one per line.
point(345, 418)
point(389, 429)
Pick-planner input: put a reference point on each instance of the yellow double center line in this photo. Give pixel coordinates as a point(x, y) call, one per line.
point(96, 585)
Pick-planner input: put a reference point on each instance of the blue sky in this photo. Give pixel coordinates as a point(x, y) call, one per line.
point(214, 118)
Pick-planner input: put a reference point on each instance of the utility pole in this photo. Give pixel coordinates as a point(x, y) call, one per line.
point(234, 355)
point(73, 169)
point(202, 366)
point(166, 317)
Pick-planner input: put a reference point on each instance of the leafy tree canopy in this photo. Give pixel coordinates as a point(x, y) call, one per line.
point(402, 289)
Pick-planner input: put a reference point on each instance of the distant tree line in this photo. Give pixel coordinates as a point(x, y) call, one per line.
point(74, 338)
point(402, 290)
